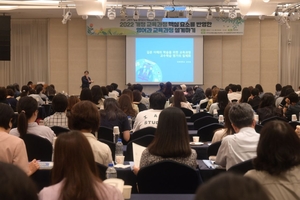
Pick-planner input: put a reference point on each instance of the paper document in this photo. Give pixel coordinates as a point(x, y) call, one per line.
point(137, 151)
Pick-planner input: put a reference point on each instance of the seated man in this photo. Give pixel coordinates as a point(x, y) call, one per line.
point(149, 118)
point(240, 146)
point(233, 93)
point(59, 118)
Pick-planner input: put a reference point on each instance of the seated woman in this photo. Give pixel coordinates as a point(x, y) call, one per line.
point(222, 101)
point(126, 106)
point(130, 94)
point(266, 108)
point(137, 97)
point(171, 141)
point(277, 165)
point(112, 116)
point(180, 101)
point(12, 149)
point(97, 96)
point(74, 173)
point(28, 112)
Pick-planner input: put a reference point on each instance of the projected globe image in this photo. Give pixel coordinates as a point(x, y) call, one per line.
point(147, 71)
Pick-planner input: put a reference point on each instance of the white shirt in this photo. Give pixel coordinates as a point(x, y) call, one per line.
point(213, 107)
point(101, 151)
point(146, 118)
point(238, 147)
point(35, 129)
point(234, 96)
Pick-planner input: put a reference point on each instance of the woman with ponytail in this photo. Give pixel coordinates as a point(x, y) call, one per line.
point(28, 111)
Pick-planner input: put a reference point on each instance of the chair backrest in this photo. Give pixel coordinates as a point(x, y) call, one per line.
point(58, 130)
point(187, 111)
point(101, 171)
point(168, 177)
point(273, 118)
point(242, 167)
point(206, 133)
point(203, 121)
point(294, 124)
point(105, 133)
point(196, 116)
point(258, 128)
point(143, 141)
point(203, 105)
point(111, 145)
point(37, 147)
point(142, 132)
point(212, 149)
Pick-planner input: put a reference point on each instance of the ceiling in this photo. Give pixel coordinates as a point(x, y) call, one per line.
point(54, 8)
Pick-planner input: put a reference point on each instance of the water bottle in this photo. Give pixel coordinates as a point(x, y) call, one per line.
point(116, 133)
point(111, 171)
point(221, 119)
point(119, 148)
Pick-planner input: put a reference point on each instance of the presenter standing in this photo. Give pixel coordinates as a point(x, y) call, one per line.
point(86, 80)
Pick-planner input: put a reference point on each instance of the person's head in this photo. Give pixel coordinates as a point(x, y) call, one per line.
point(233, 87)
point(138, 87)
point(245, 95)
point(227, 125)
point(255, 92)
point(104, 91)
point(171, 137)
point(24, 91)
point(137, 97)
point(267, 100)
point(84, 116)
point(72, 100)
point(278, 87)
point(293, 97)
point(161, 86)
point(29, 83)
point(15, 184)
point(241, 115)
point(183, 87)
point(39, 89)
point(208, 93)
point(238, 88)
point(3, 93)
point(114, 86)
point(129, 93)
point(27, 108)
point(178, 98)
point(109, 88)
point(157, 101)
point(10, 92)
point(226, 184)
point(16, 86)
point(214, 93)
point(86, 73)
point(74, 162)
point(96, 94)
point(259, 87)
point(278, 149)
point(190, 90)
point(222, 99)
point(86, 94)
point(60, 103)
point(6, 116)
point(126, 105)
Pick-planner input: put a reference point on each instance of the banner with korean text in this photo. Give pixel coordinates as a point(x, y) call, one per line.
point(195, 26)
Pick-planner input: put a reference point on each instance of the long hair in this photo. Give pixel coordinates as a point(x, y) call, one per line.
point(171, 138)
point(278, 149)
point(26, 108)
point(126, 105)
point(245, 95)
point(6, 115)
point(97, 94)
point(267, 100)
point(111, 110)
point(74, 163)
point(129, 93)
point(178, 98)
point(86, 94)
point(227, 125)
point(222, 99)
point(168, 90)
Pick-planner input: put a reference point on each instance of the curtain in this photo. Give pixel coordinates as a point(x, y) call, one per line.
point(290, 55)
point(29, 53)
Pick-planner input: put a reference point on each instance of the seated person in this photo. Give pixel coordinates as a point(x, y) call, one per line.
point(240, 146)
point(171, 141)
point(12, 148)
point(85, 118)
point(267, 109)
point(254, 99)
point(74, 173)
point(149, 118)
point(59, 118)
point(28, 112)
point(180, 101)
point(292, 106)
point(277, 165)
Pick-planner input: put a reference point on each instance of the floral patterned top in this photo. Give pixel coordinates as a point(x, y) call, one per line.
point(148, 159)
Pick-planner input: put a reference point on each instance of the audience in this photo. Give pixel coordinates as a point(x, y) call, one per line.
point(85, 118)
point(260, 90)
point(137, 97)
point(292, 106)
point(233, 94)
point(168, 90)
point(203, 103)
point(214, 94)
point(222, 101)
point(130, 94)
point(86, 94)
point(198, 96)
point(180, 101)
point(74, 173)
point(266, 108)
point(189, 94)
point(72, 100)
point(240, 146)
point(254, 99)
point(126, 106)
point(144, 100)
point(97, 96)
point(28, 112)
point(245, 95)
point(277, 165)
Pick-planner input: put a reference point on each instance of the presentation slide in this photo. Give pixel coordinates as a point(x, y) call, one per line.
point(152, 60)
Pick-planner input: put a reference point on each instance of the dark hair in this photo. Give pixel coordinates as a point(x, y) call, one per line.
point(137, 97)
point(259, 87)
point(278, 87)
point(112, 110)
point(226, 184)
point(26, 108)
point(24, 91)
point(241, 115)
point(245, 95)
point(126, 105)
point(222, 99)
point(267, 100)
point(60, 103)
point(97, 94)
point(129, 93)
point(3, 93)
point(84, 115)
point(15, 184)
point(214, 94)
point(157, 100)
point(109, 88)
point(227, 123)
point(138, 87)
point(238, 88)
point(74, 163)
point(254, 92)
point(293, 97)
point(10, 92)
point(233, 87)
point(86, 71)
point(72, 100)
point(50, 91)
point(86, 94)
point(39, 88)
point(171, 139)
point(178, 98)
point(278, 149)
point(208, 92)
point(168, 90)
point(29, 83)
point(104, 91)
point(114, 86)
point(6, 115)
